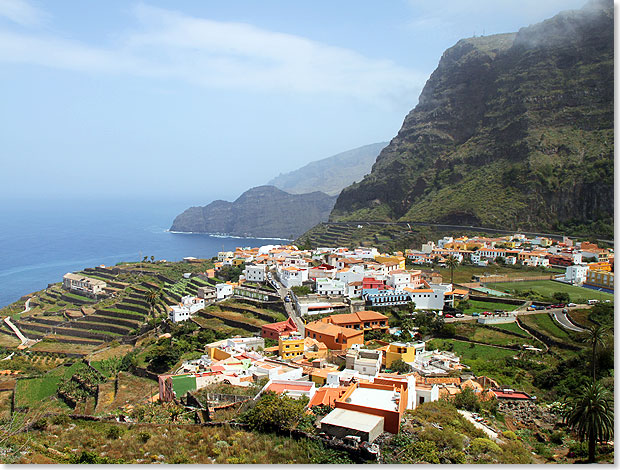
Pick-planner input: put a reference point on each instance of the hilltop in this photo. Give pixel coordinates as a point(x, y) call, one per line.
point(330, 175)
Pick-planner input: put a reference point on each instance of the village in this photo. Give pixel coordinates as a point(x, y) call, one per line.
point(358, 338)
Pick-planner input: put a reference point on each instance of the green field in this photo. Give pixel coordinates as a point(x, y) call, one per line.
point(29, 392)
point(548, 288)
point(468, 351)
point(475, 332)
point(511, 327)
point(480, 306)
point(545, 324)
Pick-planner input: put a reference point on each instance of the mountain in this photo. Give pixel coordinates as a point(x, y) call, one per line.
point(264, 211)
point(512, 131)
point(330, 174)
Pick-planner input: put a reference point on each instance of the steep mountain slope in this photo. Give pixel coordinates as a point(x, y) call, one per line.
point(330, 175)
point(511, 131)
point(264, 211)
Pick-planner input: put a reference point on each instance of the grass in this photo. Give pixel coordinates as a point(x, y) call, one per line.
point(468, 351)
point(477, 333)
point(548, 288)
point(31, 392)
point(481, 306)
point(465, 273)
point(511, 327)
point(543, 323)
point(144, 444)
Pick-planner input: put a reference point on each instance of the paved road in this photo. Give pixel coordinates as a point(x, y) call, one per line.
point(563, 320)
point(283, 292)
point(519, 312)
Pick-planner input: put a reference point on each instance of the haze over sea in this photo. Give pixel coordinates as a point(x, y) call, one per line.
point(41, 241)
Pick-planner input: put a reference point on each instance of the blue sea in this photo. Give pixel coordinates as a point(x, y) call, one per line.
point(40, 241)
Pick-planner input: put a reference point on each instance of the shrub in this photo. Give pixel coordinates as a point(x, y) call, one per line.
point(144, 436)
point(510, 435)
point(273, 412)
point(467, 400)
point(61, 420)
point(484, 446)
point(115, 432)
point(421, 451)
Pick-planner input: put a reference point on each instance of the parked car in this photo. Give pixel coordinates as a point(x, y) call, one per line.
point(592, 301)
point(499, 311)
point(475, 314)
point(448, 315)
point(540, 307)
point(459, 315)
point(572, 304)
point(531, 308)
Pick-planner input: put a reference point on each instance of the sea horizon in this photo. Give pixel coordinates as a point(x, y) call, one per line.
point(43, 240)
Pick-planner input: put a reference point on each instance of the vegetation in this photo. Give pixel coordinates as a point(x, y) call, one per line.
point(546, 290)
point(273, 412)
point(590, 415)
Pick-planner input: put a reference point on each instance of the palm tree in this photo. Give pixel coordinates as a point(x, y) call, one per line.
point(452, 263)
point(590, 415)
point(154, 297)
point(596, 337)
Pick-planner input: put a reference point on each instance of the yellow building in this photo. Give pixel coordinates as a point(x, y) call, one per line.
point(599, 278)
point(290, 346)
point(600, 266)
point(404, 351)
point(391, 259)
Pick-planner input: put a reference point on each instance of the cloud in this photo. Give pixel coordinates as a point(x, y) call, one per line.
point(22, 12)
point(225, 55)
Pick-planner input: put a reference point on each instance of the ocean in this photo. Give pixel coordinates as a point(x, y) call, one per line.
point(40, 241)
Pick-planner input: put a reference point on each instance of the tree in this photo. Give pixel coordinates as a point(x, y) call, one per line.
point(561, 297)
point(400, 366)
point(152, 259)
point(595, 337)
point(154, 297)
point(590, 415)
point(452, 263)
point(273, 412)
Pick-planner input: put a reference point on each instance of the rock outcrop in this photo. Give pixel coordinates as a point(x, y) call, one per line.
point(261, 212)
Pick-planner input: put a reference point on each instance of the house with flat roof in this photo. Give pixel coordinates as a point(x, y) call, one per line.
point(365, 361)
point(83, 285)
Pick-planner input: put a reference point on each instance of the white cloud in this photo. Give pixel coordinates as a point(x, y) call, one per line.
point(22, 12)
point(217, 54)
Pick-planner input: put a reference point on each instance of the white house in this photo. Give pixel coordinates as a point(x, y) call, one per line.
point(223, 290)
point(222, 255)
point(188, 306)
point(576, 274)
point(427, 298)
point(444, 241)
point(365, 361)
point(292, 276)
point(511, 260)
point(326, 286)
point(255, 272)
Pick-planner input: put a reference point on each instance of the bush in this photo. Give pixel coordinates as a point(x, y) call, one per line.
point(400, 366)
point(421, 451)
point(144, 436)
point(484, 446)
point(115, 432)
point(273, 412)
point(467, 400)
point(510, 435)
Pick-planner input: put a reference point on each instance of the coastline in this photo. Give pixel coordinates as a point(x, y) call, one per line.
point(224, 235)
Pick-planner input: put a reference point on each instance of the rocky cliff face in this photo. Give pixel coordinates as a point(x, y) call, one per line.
point(511, 131)
point(264, 211)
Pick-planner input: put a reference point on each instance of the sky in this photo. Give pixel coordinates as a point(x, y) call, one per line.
point(196, 100)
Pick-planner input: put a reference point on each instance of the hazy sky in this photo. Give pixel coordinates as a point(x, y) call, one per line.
point(196, 100)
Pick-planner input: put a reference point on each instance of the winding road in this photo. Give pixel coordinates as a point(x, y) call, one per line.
point(562, 319)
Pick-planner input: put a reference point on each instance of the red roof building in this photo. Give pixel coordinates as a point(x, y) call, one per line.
point(275, 330)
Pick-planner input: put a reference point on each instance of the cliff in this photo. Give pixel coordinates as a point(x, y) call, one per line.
point(264, 211)
point(330, 175)
point(511, 131)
